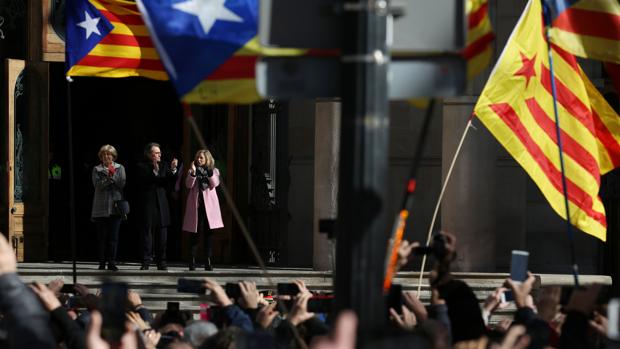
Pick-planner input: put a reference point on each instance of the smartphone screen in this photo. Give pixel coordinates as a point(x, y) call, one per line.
point(395, 298)
point(113, 301)
point(518, 265)
point(190, 286)
point(289, 289)
point(613, 319)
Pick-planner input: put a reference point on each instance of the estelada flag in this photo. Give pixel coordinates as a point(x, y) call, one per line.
point(208, 48)
point(108, 38)
point(516, 105)
point(587, 28)
point(478, 52)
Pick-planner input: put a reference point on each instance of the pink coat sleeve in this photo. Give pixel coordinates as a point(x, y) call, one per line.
point(190, 181)
point(214, 180)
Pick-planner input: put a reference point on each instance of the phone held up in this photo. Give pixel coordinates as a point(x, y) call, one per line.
point(113, 300)
point(518, 271)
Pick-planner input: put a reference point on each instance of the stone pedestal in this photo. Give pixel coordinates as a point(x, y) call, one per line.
point(326, 155)
point(468, 208)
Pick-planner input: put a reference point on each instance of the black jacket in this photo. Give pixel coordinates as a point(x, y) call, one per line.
point(27, 321)
point(152, 192)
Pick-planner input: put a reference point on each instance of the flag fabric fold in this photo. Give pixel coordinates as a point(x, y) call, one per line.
point(587, 28)
point(206, 47)
point(108, 38)
point(478, 50)
point(516, 106)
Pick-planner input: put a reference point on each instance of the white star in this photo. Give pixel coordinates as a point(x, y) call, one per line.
point(90, 24)
point(208, 11)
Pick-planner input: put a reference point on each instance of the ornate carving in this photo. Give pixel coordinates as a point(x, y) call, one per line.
point(19, 142)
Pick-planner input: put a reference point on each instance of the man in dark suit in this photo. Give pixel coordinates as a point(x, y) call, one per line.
point(155, 178)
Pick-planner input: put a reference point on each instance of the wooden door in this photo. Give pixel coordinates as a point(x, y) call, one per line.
point(14, 209)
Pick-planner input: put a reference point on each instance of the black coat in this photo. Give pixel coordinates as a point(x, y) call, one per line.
point(152, 192)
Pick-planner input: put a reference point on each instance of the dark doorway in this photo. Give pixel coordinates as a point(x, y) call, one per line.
point(126, 113)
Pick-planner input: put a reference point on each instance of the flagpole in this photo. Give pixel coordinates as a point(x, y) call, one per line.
point(400, 222)
point(569, 229)
point(71, 182)
point(443, 190)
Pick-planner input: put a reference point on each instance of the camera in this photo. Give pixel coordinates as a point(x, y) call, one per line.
point(232, 290)
point(437, 247)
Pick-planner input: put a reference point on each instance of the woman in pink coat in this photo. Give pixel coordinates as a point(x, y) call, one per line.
point(202, 210)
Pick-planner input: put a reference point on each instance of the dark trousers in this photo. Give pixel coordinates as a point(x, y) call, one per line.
point(203, 228)
point(107, 237)
point(161, 239)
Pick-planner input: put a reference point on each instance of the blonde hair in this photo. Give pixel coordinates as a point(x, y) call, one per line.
point(210, 162)
point(107, 149)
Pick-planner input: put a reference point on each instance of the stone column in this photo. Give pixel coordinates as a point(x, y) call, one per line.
point(468, 209)
point(326, 155)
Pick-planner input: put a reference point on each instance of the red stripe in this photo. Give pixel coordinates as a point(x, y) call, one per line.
point(568, 100)
point(608, 140)
point(476, 47)
point(125, 19)
point(593, 23)
point(567, 57)
point(118, 62)
point(575, 194)
point(237, 67)
point(569, 145)
point(130, 7)
point(127, 40)
point(476, 17)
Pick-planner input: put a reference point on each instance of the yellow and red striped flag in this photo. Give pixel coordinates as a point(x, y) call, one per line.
point(587, 28)
point(108, 38)
point(478, 51)
point(516, 105)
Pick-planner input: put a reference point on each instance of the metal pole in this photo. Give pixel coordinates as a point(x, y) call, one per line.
point(362, 224)
point(71, 180)
point(569, 228)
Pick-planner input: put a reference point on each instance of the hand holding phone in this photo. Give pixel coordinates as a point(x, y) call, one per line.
point(113, 300)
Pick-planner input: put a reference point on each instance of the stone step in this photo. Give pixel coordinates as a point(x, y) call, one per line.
point(157, 288)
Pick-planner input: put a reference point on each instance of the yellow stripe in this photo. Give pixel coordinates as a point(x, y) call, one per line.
point(482, 29)
point(587, 46)
point(135, 30)
point(473, 5)
point(609, 6)
point(253, 48)
point(124, 51)
point(479, 62)
point(115, 7)
point(238, 91)
point(609, 117)
point(81, 70)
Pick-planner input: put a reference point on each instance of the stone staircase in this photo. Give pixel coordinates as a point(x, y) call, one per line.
point(159, 287)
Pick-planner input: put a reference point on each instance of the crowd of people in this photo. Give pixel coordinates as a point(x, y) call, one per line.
point(41, 316)
point(155, 179)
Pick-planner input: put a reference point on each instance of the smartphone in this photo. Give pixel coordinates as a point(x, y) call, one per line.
point(190, 286)
point(613, 319)
point(173, 307)
point(233, 290)
point(288, 289)
point(320, 304)
point(67, 288)
point(518, 265)
point(113, 301)
point(395, 298)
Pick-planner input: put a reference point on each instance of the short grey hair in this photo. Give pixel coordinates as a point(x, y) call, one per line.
point(198, 332)
point(107, 149)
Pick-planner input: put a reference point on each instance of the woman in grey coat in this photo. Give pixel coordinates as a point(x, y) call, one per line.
point(109, 180)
